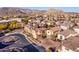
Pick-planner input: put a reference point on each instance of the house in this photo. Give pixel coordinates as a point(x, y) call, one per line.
point(49, 44)
point(31, 31)
point(48, 33)
point(27, 29)
point(66, 25)
point(66, 34)
point(40, 31)
point(76, 29)
point(55, 29)
point(58, 23)
point(34, 35)
point(77, 21)
point(52, 31)
point(64, 49)
point(71, 44)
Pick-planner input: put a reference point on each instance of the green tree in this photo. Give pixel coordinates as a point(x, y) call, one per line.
point(14, 25)
point(3, 26)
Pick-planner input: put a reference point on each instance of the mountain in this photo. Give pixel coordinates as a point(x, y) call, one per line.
point(16, 11)
point(13, 11)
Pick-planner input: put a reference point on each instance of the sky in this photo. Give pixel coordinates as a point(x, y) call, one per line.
point(66, 9)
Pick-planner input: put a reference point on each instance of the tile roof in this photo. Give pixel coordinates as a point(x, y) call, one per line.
point(72, 43)
point(67, 32)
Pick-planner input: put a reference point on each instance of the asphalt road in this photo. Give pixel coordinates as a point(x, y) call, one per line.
point(30, 47)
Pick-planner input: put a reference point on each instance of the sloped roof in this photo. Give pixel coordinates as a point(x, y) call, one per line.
point(71, 43)
point(67, 32)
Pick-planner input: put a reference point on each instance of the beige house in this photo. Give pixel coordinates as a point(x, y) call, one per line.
point(52, 31)
point(76, 29)
point(66, 25)
point(40, 31)
point(27, 29)
point(48, 33)
point(66, 34)
point(55, 29)
point(77, 21)
point(33, 32)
